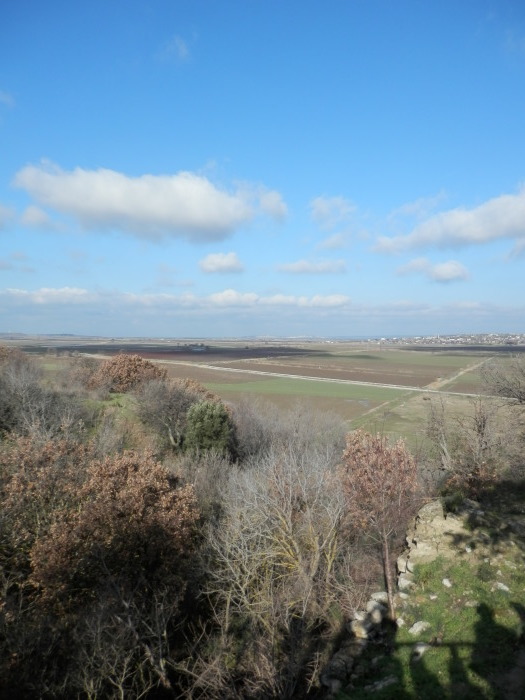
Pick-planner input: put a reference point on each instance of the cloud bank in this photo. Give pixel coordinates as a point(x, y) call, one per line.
point(320, 267)
point(448, 271)
point(78, 310)
point(150, 206)
point(329, 212)
point(502, 217)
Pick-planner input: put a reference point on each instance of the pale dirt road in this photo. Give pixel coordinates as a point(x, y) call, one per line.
point(430, 389)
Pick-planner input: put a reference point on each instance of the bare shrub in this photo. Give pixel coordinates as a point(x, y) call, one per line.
point(29, 407)
point(113, 433)
point(207, 472)
point(120, 646)
point(277, 561)
point(475, 443)
point(82, 370)
point(380, 484)
point(125, 372)
point(261, 426)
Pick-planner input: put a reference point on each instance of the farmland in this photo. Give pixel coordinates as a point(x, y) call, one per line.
point(367, 384)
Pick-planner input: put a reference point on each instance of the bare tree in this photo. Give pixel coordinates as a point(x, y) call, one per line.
point(262, 426)
point(506, 377)
point(380, 483)
point(276, 559)
point(29, 407)
point(473, 442)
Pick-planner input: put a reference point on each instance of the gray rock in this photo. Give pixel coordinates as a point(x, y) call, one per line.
point(499, 586)
point(405, 581)
point(402, 563)
point(360, 628)
point(418, 650)
point(431, 511)
point(419, 627)
point(380, 597)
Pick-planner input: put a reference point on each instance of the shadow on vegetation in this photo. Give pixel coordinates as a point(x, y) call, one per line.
point(497, 517)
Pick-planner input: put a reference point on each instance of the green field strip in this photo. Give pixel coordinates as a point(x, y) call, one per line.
point(307, 387)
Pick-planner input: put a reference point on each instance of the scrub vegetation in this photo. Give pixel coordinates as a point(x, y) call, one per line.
point(157, 541)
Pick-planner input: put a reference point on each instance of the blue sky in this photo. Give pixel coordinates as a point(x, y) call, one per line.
point(193, 168)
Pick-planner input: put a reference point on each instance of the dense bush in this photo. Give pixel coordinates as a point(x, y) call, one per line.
point(94, 558)
point(125, 372)
point(164, 405)
point(210, 427)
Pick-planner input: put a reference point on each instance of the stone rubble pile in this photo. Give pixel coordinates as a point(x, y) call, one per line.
point(432, 534)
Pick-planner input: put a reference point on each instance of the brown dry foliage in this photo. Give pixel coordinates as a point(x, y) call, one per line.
point(8, 354)
point(379, 480)
point(380, 484)
point(125, 372)
point(132, 526)
point(94, 560)
point(36, 481)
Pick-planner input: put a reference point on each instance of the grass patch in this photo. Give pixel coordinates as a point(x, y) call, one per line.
point(475, 635)
point(302, 387)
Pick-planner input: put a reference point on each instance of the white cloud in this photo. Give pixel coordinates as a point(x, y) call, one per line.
point(272, 203)
point(37, 218)
point(269, 202)
point(330, 300)
point(329, 212)
point(7, 99)
point(47, 295)
point(315, 268)
point(230, 297)
point(416, 265)
point(232, 312)
point(335, 242)
point(221, 262)
point(499, 218)
point(150, 206)
point(6, 213)
point(419, 208)
point(449, 271)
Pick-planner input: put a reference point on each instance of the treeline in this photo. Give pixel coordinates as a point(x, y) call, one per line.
point(157, 543)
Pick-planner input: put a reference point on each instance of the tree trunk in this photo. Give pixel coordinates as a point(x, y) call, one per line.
point(387, 570)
